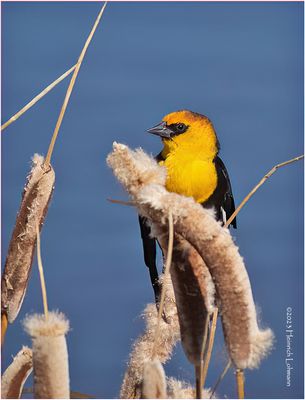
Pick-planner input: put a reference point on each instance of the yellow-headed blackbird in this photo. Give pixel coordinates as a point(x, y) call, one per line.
point(190, 155)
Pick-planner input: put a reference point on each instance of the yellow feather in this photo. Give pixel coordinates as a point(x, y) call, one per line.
point(189, 157)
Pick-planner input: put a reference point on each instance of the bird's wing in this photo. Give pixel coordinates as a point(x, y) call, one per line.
point(159, 157)
point(222, 198)
point(149, 249)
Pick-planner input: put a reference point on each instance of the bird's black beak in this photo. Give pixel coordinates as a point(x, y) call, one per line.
point(161, 130)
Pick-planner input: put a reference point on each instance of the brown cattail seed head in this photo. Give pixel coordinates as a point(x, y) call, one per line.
point(33, 209)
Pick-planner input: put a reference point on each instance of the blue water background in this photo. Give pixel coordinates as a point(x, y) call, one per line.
point(241, 64)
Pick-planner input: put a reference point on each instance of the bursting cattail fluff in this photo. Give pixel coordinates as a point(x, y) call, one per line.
point(142, 348)
point(154, 381)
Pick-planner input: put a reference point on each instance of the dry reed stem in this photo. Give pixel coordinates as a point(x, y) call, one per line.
point(41, 274)
point(154, 381)
point(166, 274)
point(50, 355)
point(210, 346)
point(261, 182)
point(199, 370)
point(122, 202)
point(34, 206)
point(4, 323)
point(36, 98)
point(144, 180)
point(220, 378)
point(70, 87)
point(16, 374)
point(142, 348)
point(240, 382)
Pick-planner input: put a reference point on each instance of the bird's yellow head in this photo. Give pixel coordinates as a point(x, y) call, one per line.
point(187, 131)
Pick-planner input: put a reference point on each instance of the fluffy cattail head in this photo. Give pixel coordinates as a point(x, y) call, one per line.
point(16, 374)
point(50, 355)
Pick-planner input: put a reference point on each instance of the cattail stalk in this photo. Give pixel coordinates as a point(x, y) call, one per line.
point(41, 274)
point(4, 323)
point(210, 346)
point(34, 206)
point(50, 355)
point(220, 378)
point(240, 381)
point(16, 374)
point(199, 369)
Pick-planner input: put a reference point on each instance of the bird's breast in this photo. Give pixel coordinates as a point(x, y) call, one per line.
point(192, 177)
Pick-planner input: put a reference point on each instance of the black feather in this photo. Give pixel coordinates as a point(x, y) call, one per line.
point(222, 196)
point(150, 252)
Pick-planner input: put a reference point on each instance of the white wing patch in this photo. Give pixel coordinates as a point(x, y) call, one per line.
point(224, 215)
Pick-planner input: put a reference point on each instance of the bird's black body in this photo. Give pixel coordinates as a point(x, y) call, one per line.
point(222, 197)
point(221, 200)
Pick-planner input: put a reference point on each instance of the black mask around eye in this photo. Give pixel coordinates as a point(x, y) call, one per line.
point(178, 128)
point(168, 131)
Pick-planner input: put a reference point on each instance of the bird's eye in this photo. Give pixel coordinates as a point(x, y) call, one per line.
point(181, 127)
point(177, 128)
